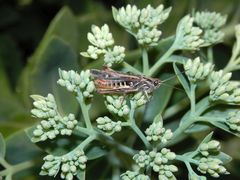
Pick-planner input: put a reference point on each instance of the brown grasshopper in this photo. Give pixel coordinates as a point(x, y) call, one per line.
point(108, 81)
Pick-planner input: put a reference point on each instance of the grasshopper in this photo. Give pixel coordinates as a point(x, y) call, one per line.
point(108, 81)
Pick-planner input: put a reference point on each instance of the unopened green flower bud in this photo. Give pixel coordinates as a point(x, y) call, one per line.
point(108, 126)
point(188, 37)
point(117, 105)
point(210, 23)
point(196, 71)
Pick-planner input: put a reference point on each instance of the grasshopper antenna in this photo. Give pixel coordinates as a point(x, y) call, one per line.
point(171, 86)
point(172, 77)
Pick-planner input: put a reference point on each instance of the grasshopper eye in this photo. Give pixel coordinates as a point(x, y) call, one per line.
point(156, 82)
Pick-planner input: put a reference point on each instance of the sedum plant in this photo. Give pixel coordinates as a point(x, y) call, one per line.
point(149, 147)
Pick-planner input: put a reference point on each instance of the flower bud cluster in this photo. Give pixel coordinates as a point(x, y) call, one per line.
point(233, 121)
point(210, 147)
point(132, 175)
point(103, 44)
point(156, 132)
point(143, 24)
point(117, 105)
point(196, 71)
point(221, 88)
point(108, 126)
point(212, 166)
point(74, 82)
point(69, 164)
point(139, 99)
point(210, 23)
point(53, 123)
point(188, 37)
point(157, 161)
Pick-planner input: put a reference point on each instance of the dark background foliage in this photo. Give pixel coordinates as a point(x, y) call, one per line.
point(39, 36)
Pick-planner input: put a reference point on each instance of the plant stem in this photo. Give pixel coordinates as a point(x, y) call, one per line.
point(161, 61)
point(85, 108)
point(12, 169)
point(210, 54)
point(135, 128)
point(185, 159)
point(86, 142)
point(192, 98)
point(209, 118)
point(145, 61)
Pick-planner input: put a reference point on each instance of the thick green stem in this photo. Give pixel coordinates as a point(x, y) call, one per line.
point(192, 98)
point(145, 61)
point(161, 61)
point(13, 169)
point(85, 108)
point(210, 54)
point(185, 159)
point(135, 128)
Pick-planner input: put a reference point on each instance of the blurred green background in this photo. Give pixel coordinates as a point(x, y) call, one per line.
point(39, 36)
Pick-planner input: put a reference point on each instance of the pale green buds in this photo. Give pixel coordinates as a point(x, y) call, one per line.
point(188, 37)
point(115, 56)
point(142, 159)
point(157, 133)
point(132, 175)
point(212, 146)
point(222, 89)
point(100, 37)
point(143, 23)
point(196, 71)
point(212, 166)
point(210, 23)
point(44, 107)
point(68, 164)
point(233, 121)
point(158, 162)
point(108, 126)
point(53, 123)
point(75, 82)
point(117, 105)
point(139, 99)
point(127, 17)
point(103, 44)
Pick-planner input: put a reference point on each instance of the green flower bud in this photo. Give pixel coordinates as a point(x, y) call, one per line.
point(156, 132)
point(77, 82)
point(148, 37)
point(114, 56)
point(142, 159)
point(117, 105)
point(143, 23)
point(211, 166)
point(210, 23)
point(188, 37)
point(233, 120)
point(196, 71)
point(108, 126)
point(222, 89)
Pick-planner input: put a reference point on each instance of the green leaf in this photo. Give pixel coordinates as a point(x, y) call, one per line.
point(114, 13)
point(2, 146)
point(207, 138)
point(42, 78)
point(197, 128)
point(58, 49)
point(159, 101)
point(225, 158)
point(95, 152)
point(19, 148)
point(224, 127)
point(182, 79)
